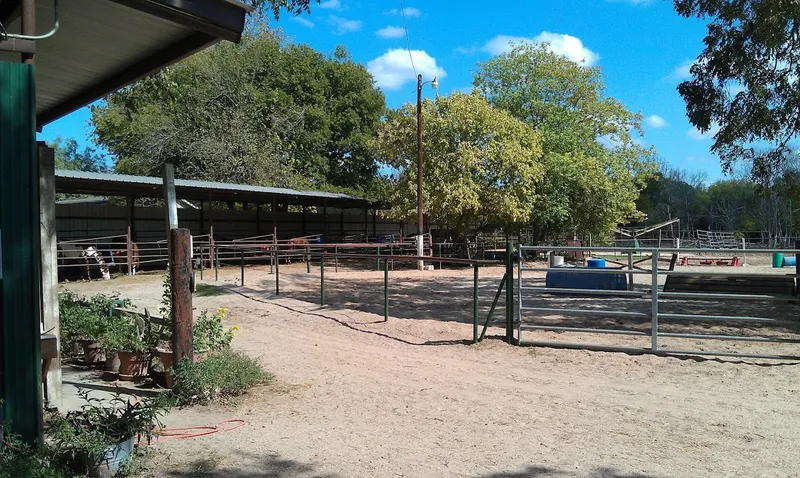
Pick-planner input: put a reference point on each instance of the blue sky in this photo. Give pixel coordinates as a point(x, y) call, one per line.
point(643, 47)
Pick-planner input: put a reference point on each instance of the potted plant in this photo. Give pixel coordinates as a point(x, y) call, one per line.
point(208, 335)
point(83, 321)
point(123, 338)
point(100, 436)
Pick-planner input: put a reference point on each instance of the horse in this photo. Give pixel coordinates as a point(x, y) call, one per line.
point(91, 253)
point(71, 263)
point(121, 256)
point(298, 243)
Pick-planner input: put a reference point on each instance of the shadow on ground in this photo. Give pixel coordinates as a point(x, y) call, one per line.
point(274, 466)
point(549, 472)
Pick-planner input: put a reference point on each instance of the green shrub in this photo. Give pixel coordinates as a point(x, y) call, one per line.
point(221, 375)
point(18, 460)
point(82, 318)
point(119, 333)
point(208, 334)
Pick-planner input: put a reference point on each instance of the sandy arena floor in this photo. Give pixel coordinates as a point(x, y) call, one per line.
point(357, 397)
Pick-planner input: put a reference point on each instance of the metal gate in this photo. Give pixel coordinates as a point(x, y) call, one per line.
point(641, 316)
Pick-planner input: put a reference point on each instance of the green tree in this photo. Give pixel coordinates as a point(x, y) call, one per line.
point(594, 167)
point(262, 112)
point(68, 156)
point(483, 166)
point(295, 7)
point(744, 84)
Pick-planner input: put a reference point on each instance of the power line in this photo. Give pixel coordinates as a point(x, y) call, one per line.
point(408, 42)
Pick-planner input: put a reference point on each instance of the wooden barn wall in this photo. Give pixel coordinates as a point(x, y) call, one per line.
point(84, 221)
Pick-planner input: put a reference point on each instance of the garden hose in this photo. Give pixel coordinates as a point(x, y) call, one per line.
point(198, 431)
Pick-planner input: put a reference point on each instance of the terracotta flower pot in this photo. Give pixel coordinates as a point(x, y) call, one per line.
point(92, 352)
point(132, 364)
point(112, 363)
point(166, 360)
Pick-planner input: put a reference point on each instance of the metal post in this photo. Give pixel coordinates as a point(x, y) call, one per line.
point(180, 263)
point(744, 254)
point(391, 253)
point(654, 305)
point(308, 260)
point(201, 263)
point(271, 260)
point(630, 268)
point(216, 265)
point(322, 280)
point(475, 306)
point(170, 199)
point(28, 13)
point(509, 292)
point(386, 291)
point(242, 263)
point(277, 273)
point(336, 258)
point(439, 246)
point(378, 248)
point(797, 262)
point(420, 225)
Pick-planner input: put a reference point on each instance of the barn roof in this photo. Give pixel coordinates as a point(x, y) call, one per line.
point(105, 184)
point(103, 45)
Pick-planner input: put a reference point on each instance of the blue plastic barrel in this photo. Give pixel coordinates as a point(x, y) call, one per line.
point(596, 263)
point(789, 261)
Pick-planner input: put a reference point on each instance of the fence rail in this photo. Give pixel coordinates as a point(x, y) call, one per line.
point(652, 296)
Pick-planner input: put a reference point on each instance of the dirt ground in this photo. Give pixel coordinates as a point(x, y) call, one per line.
point(358, 397)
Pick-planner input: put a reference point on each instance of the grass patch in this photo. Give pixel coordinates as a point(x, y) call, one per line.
point(20, 460)
point(220, 376)
point(206, 290)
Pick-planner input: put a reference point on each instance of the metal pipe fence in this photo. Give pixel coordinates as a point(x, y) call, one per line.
point(648, 301)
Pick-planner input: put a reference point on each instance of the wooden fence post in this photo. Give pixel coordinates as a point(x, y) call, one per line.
point(180, 263)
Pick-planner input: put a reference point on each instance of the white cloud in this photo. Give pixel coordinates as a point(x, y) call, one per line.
point(634, 2)
point(343, 25)
point(655, 121)
point(410, 12)
point(391, 32)
point(697, 135)
point(393, 69)
point(467, 50)
point(331, 5)
point(303, 21)
point(681, 72)
point(566, 45)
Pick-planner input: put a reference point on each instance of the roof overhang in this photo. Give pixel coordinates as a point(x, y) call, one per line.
point(102, 184)
point(104, 45)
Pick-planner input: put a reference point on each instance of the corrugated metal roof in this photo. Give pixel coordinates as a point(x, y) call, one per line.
point(82, 182)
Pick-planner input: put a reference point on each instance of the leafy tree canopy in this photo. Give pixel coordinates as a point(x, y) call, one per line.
point(262, 112)
point(745, 81)
point(594, 168)
point(483, 165)
point(68, 156)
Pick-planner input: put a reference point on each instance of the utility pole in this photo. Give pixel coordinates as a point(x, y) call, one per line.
point(420, 214)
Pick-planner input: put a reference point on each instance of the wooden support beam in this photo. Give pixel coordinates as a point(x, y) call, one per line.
point(258, 219)
point(324, 220)
point(51, 368)
point(180, 263)
point(211, 255)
